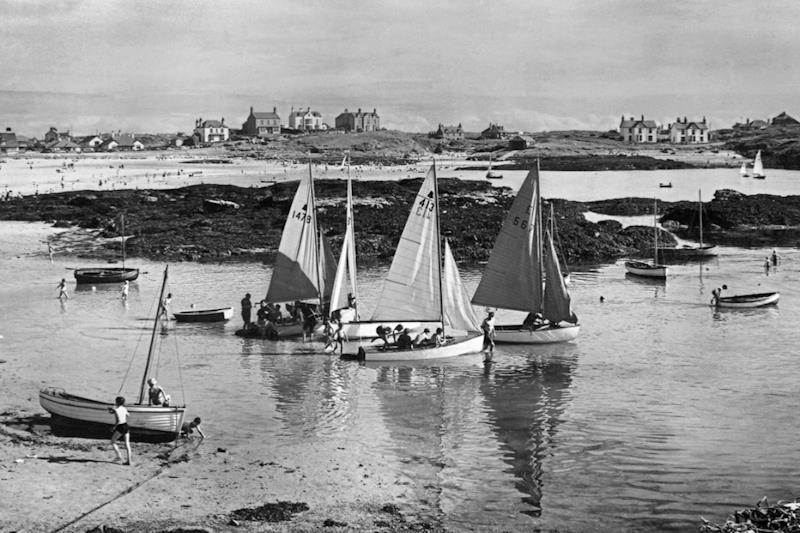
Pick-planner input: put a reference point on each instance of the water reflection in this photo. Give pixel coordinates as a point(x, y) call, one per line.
point(527, 403)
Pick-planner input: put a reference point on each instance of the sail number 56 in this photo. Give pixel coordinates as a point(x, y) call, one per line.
point(521, 222)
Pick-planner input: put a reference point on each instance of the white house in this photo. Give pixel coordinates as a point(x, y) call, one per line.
point(689, 132)
point(305, 120)
point(212, 131)
point(638, 130)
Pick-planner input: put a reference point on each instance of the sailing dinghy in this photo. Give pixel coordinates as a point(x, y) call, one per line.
point(146, 422)
point(523, 274)
point(344, 291)
point(654, 269)
point(423, 287)
point(304, 267)
point(743, 171)
point(96, 275)
point(758, 167)
point(689, 251)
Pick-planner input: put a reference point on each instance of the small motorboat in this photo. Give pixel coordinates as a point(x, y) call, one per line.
point(205, 315)
point(647, 270)
point(748, 301)
point(665, 185)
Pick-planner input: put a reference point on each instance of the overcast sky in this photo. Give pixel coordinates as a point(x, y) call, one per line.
point(148, 66)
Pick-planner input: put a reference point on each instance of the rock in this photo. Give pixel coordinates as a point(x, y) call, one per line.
point(82, 200)
point(216, 206)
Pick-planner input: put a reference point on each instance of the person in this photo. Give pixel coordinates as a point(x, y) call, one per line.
point(439, 339)
point(165, 306)
point(121, 429)
point(125, 287)
point(187, 428)
point(246, 307)
point(766, 266)
point(774, 258)
point(404, 341)
point(488, 332)
point(62, 290)
point(50, 251)
point(398, 329)
point(156, 394)
point(383, 334)
point(423, 339)
point(335, 334)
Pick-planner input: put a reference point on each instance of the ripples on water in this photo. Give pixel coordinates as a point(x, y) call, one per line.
point(662, 411)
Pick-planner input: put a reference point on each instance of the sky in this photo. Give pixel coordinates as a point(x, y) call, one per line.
point(530, 65)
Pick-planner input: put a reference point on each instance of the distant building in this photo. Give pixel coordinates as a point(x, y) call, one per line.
point(784, 120)
point(449, 133)
point(128, 141)
point(8, 142)
point(90, 142)
point(494, 131)
point(211, 131)
point(683, 131)
point(358, 121)
point(638, 130)
point(751, 125)
point(521, 142)
point(305, 120)
point(54, 135)
point(62, 145)
point(261, 123)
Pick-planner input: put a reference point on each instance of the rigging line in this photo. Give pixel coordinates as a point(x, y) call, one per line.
point(133, 354)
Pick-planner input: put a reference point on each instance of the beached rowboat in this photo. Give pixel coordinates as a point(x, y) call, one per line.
point(205, 315)
point(748, 301)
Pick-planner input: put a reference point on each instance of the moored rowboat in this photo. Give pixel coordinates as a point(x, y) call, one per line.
point(205, 315)
point(747, 301)
point(640, 268)
point(105, 275)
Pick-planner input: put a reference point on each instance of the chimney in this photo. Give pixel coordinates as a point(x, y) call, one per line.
point(275, 110)
point(8, 130)
point(251, 110)
point(222, 121)
point(359, 110)
point(704, 120)
point(685, 120)
point(642, 118)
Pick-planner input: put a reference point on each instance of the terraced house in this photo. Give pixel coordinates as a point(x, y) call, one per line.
point(683, 131)
point(261, 124)
point(638, 130)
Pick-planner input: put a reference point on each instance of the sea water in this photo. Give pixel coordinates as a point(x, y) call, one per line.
point(661, 411)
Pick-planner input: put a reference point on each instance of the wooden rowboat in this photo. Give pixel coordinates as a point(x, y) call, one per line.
point(748, 301)
point(509, 334)
point(205, 315)
point(105, 275)
point(648, 270)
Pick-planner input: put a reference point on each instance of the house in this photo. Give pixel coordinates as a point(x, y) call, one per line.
point(8, 142)
point(751, 125)
point(261, 124)
point(90, 142)
point(638, 130)
point(211, 131)
point(521, 142)
point(128, 141)
point(61, 145)
point(784, 120)
point(494, 131)
point(449, 133)
point(109, 144)
point(305, 120)
point(358, 121)
point(54, 135)
point(683, 131)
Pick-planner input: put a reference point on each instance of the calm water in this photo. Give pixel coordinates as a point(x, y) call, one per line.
point(662, 411)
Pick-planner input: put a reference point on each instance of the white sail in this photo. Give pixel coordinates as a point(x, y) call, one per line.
point(743, 170)
point(513, 276)
point(458, 313)
point(296, 273)
point(557, 305)
point(411, 289)
point(345, 279)
point(758, 167)
point(327, 268)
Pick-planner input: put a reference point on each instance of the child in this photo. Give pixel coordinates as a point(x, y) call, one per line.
point(121, 428)
point(190, 427)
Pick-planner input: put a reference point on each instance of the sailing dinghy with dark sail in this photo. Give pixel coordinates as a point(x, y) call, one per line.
point(523, 274)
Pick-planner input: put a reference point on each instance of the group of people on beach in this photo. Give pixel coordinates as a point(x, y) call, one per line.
point(156, 397)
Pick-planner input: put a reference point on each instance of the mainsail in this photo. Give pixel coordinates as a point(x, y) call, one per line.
point(411, 289)
point(296, 275)
point(513, 276)
point(758, 166)
point(458, 312)
point(345, 278)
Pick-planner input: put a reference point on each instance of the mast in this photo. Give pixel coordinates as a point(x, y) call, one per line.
point(655, 232)
point(351, 222)
point(700, 201)
point(537, 203)
point(438, 246)
point(317, 240)
point(143, 389)
point(122, 236)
